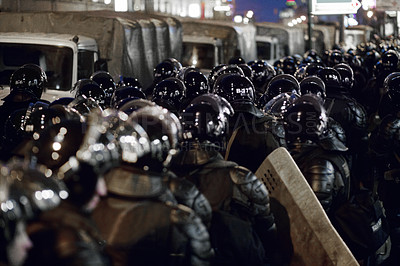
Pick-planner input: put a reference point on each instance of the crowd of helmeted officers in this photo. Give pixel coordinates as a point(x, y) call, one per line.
point(165, 175)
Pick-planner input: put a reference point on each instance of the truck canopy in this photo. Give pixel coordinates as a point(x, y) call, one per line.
point(230, 39)
point(132, 42)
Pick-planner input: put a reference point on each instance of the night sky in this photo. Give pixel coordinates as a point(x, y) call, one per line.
point(264, 10)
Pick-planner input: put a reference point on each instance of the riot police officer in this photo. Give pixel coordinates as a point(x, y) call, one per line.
point(26, 86)
point(225, 185)
point(252, 135)
point(140, 218)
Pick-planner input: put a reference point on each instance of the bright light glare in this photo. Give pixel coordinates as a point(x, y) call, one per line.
point(121, 5)
point(246, 20)
point(107, 2)
point(290, 24)
point(294, 22)
point(299, 20)
point(194, 10)
point(56, 146)
point(238, 19)
point(303, 18)
point(250, 14)
point(370, 14)
point(222, 8)
point(352, 22)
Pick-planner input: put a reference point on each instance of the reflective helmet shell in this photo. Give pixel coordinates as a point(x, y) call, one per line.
point(346, 74)
point(235, 88)
point(28, 79)
point(313, 85)
point(305, 120)
point(170, 91)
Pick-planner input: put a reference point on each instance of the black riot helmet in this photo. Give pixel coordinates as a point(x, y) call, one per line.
point(391, 86)
point(94, 91)
point(56, 144)
point(313, 85)
point(175, 62)
point(28, 80)
point(165, 69)
point(219, 116)
point(262, 74)
point(196, 84)
point(126, 92)
point(332, 79)
point(169, 93)
point(289, 65)
point(33, 188)
point(214, 71)
point(370, 59)
point(346, 75)
point(247, 71)
point(185, 70)
point(15, 128)
point(130, 82)
point(312, 69)
point(83, 106)
point(106, 82)
point(80, 179)
point(390, 61)
point(164, 131)
point(80, 83)
point(229, 69)
point(279, 104)
point(304, 121)
point(300, 73)
point(38, 119)
point(234, 88)
point(217, 102)
point(313, 54)
point(335, 57)
point(236, 60)
point(201, 122)
point(279, 84)
point(132, 104)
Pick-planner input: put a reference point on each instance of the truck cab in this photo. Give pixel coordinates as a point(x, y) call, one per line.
point(65, 58)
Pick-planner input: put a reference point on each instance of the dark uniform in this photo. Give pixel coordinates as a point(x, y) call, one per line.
point(242, 227)
point(26, 87)
point(252, 134)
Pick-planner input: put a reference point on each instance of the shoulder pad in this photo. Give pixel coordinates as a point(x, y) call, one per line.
point(389, 126)
point(332, 143)
point(249, 191)
point(183, 188)
point(358, 114)
point(241, 175)
point(186, 193)
point(321, 167)
point(190, 225)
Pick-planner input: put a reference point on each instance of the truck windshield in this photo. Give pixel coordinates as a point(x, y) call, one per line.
point(198, 55)
point(85, 64)
point(56, 61)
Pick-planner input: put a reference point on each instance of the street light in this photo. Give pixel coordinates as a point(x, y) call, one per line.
point(238, 19)
point(250, 14)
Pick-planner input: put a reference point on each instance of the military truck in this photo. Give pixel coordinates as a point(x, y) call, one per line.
point(72, 45)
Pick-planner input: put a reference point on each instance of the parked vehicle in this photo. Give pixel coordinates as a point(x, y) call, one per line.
point(72, 45)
